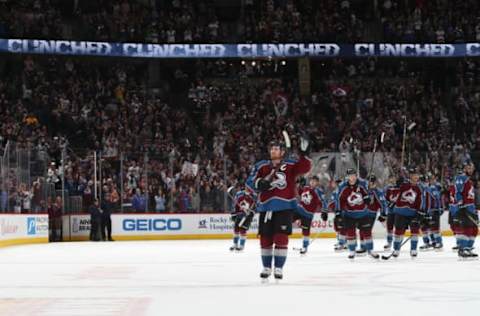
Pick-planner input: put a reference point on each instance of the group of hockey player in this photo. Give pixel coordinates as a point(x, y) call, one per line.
point(409, 201)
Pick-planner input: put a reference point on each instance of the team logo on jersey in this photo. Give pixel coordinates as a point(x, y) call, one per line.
point(280, 181)
point(306, 198)
point(244, 206)
point(409, 196)
point(355, 198)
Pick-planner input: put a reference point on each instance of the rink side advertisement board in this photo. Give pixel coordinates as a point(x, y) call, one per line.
point(23, 229)
point(134, 226)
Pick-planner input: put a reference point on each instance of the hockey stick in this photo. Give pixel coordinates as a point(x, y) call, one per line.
point(390, 255)
point(472, 219)
point(382, 136)
point(313, 237)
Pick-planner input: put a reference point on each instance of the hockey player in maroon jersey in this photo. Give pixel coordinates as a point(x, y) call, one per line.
point(338, 222)
point(391, 196)
point(467, 212)
point(376, 206)
point(275, 182)
point(352, 201)
point(244, 210)
point(452, 207)
point(409, 210)
point(311, 201)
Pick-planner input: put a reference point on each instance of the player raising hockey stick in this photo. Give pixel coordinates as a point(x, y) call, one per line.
point(352, 202)
point(312, 200)
point(275, 182)
point(244, 210)
point(409, 210)
point(467, 213)
point(391, 196)
point(376, 206)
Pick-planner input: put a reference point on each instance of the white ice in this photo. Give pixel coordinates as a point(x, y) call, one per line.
point(204, 278)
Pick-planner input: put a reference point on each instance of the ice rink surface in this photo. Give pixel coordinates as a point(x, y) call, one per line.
point(204, 278)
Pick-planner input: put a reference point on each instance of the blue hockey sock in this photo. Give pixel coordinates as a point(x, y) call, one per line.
point(363, 245)
point(352, 244)
point(369, 244)
point(267, 257)
point(389, 238)
point(438, 239)
point(426, 239)
point(236, 237)
point(280, 257)
point(242, 241)
point(397, 242)
point(462, 241)
point(470, 242)
point(414, 242)
point(306, 241)
point(342, 240)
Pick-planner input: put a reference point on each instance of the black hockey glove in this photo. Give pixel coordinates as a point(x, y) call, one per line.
point(263, 185)
point(382, 218)
point(367, 199)
point(424, 216)
point(338, 213)
point(324, 216)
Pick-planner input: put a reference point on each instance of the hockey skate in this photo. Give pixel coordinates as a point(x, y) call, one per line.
point(413, 254)
point(373, 255)
point(361, 252)
point(303, 251)
point(396, 253)
point(239, 249)
point(339, 247)
point(470, 254)
point(426, 247)
point(387, 246)
point(351, 255)
point(278, 273)
point(438, 247)
point(233, 248)
point(265, 274)
point(462, 254)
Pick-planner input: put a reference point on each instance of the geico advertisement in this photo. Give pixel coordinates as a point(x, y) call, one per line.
point(15, 226)
point(173, 224)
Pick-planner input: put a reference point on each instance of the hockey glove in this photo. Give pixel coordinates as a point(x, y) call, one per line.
point(324, 216)
point(263, 185)
point(367, 199)
point(382, 218)
point(304, 145)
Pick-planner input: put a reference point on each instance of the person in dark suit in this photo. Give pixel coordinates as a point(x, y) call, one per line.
point(107, 206)
point(95, 220)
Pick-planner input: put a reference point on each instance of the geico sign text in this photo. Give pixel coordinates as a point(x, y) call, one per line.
point(158, 224)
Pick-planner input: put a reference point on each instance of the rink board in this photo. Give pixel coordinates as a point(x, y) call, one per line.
point(137, 226)
point(23, 229)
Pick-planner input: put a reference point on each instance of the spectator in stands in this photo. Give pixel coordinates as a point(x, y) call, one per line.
point(139, 202)
point(160, 201)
